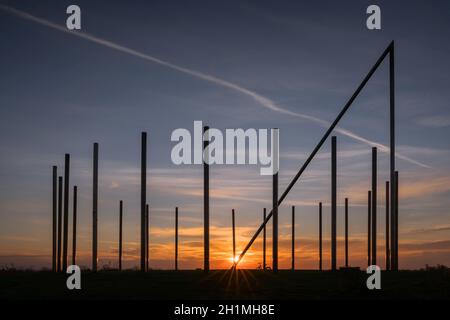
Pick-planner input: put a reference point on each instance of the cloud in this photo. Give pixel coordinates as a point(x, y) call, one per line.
point(18, 238)
point(434, 121)
point(113, 185)
point(261, 100)
point(430, 229)
point(422, 151)
point(430, 245)
point(420, 188)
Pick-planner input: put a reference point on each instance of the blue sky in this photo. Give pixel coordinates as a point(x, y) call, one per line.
point(61, 93)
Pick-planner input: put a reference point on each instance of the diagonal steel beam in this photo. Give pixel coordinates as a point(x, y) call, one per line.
point(319, 145)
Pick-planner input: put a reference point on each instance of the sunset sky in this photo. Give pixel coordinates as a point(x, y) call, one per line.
point(157, 66)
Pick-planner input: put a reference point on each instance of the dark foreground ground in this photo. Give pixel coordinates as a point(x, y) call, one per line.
point(243, 284)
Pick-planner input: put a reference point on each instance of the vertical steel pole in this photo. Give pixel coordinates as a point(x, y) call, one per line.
point(264, 241)
point(333, 203)
point(120, 233)
point(234, 234)
point(388, 253)
point(60, 200)
point(54, 215)
point(293, 239)
point(147, 236)
point(176, 238)
point(392, 149)
point(143, 195)
point(205, 202)
point(374, 205)
point(74, 226)
point(396, 179)
point(320, 236)
point(275, 223)
point(66, 210)
point(346, 232)
point(369, 225)
point(95, 208)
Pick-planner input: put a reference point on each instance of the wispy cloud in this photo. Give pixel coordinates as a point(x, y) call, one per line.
point(260, 99)
point(423, 187)
point(434, 121)
point(429, 229)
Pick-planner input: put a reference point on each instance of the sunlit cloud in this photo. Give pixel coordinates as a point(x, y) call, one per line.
point(425, 186)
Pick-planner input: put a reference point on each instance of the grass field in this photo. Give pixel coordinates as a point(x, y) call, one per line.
point(221, 284)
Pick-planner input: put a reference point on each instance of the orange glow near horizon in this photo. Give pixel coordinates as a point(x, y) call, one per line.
point(36, 253)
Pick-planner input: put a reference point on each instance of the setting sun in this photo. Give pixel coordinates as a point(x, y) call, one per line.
point(236, 259)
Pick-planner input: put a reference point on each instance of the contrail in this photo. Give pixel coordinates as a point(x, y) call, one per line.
point(263, 101)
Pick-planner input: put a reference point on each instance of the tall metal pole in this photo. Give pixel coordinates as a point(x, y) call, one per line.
point(147, 236)
point(54, 215)
point(275, 223)
point(176, 238)
point(66, 210)
point(346, 232)
point(388, 253)
point(143, 195)
point(120, 233)
point(264, 241)
point(95, 208)
point(293, 239)
point(74, 226)
point(369, 218)
point(320, 236)
point(234, 234)
point(396, 219)
point(374, 206)
point(392, 149)
point(60, 188)
point(205, 203)
point(333, 203)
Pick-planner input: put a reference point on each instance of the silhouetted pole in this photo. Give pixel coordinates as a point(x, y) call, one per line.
point(374, 206)
point(234, 234)
point(264, 240)
point(60, 192)
point(333, 203)
point(205, 206)
point(369, 218)
point(95, 208)
point(293, 238)
point(392, 150)
point(275, 223)
point(143, 195)
point(176, 238)
point(120, 233)
point(66, 210)
point(74, 226)
point(346, 232)
point(320, 236)
point(147, 236)
point(388, 253)
point(54, 215)
point(396, 179)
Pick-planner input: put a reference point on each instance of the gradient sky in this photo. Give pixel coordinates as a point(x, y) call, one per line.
point(61, 93)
